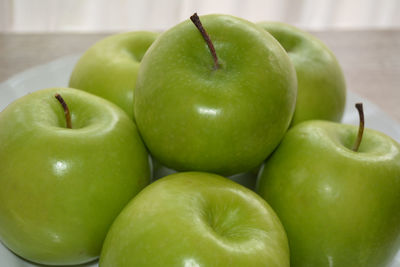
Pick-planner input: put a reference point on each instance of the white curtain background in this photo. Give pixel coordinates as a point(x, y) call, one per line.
point(122, 15)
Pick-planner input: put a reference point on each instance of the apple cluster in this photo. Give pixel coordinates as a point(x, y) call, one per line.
point(214, 143)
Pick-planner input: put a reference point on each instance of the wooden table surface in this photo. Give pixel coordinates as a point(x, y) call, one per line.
point(370, 59)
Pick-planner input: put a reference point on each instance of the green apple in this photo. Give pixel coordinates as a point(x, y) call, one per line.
point(196, 219)
point(109, 68)
point(339, 207)
point(321, 85)
point(60, 187)
point(222, 112)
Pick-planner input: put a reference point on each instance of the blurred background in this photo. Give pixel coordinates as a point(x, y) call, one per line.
point(24, 16)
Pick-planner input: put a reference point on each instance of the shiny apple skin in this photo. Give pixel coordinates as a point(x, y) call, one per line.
point(339, 207)
point(321, 85)
point(227, 120)
point(60, 189)
point(109, 68)
point(196, 219)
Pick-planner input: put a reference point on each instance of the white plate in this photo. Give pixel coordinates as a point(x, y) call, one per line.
point(56, 74)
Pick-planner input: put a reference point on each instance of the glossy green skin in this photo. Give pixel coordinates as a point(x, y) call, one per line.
point(226, 121)
point(60, 189)
point(196, 219)
point(321, 85)
point(109, 68)
point(339, 207)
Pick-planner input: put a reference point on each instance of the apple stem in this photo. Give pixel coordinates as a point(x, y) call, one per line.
point(66, 110)
point(359, 107)
point(196, 21)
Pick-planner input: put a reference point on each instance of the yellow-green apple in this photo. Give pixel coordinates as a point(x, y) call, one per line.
point(321, 85)
point(63, 181)
point(339, 205)
point(196, 219)
point(109, 68)
point(222, 112)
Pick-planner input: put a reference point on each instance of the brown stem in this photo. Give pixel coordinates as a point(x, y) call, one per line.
point(66, 110)
point(196, 20)
point(359, 107)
